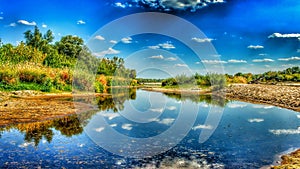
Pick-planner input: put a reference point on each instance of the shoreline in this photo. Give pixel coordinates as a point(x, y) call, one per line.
point(280, 96)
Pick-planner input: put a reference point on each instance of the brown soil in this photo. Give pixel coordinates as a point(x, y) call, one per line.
point(24, 108)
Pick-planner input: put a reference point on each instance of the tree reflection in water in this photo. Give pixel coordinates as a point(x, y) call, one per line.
point(74, 124)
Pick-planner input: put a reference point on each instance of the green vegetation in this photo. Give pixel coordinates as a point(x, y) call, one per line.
point(218, 81)
point(41, 64)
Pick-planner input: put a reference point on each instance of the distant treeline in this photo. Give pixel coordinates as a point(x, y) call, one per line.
point(38, 63)
point(219, 80)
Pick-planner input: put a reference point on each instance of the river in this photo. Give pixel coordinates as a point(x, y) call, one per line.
point(139, 129)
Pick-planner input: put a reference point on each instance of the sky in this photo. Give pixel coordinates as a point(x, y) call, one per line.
point(187, 36)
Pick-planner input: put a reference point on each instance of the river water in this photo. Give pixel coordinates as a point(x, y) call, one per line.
point(141, 129)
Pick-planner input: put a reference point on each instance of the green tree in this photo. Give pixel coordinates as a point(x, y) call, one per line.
point(70, 46)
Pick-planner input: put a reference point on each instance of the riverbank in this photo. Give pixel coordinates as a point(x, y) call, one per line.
point(33, 106)
point(281, 96)
point(291, 160)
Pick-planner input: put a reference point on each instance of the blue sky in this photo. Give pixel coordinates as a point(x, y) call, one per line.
point(248, 35)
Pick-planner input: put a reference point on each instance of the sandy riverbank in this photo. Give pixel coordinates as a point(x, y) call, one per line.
point(281, 96)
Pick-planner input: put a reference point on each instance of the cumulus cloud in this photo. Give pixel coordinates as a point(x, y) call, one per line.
point(255, 47)
point(263, 54)
point(236, 105)
point(44, 26)
point(212, 61)
point(201, 40)
point(127, 40)
point(12, 24)
point(201, 126)
point(99, 37)
point(290, 35)
point(236, 61)
point(154, 47)
point(294, 58)
point(157, 110)
point(166, 121)
point(256, 120)
point(263, 60)
point(171, 59)
point(157, 57)
point(127, 126)
point(109, 51)
point(24, 22)
point(181, 65)
point(171, 108)
point(113, 42)
point(100, 129)
point(80, 22)
point(285, 131)
point(168, 5)
point(119, 4)
point(167, 45)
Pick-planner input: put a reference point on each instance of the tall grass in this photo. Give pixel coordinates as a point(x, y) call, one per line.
point(29, 75)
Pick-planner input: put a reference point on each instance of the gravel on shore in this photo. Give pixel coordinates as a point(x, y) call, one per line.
point(281, 96)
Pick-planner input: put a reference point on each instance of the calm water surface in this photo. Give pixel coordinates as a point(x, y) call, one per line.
point(247, 135)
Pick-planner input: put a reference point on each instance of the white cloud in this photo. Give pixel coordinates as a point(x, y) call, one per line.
point(24, 22)
point(263, 54)
point(256, 120)
point(168, 5)
point(171, 59)
point(26, 144)
point(181, 65)
point(109, 51)
point(110, 116)
point(294, 58)
point(157, 57)
point(167, 45)
point(113, 41)
point(154, 47)
point(255, 47)
point(201, 126)
point(236, 105)
point(202, 40)
point(119, 4)
point(44, 25)
point(171, 108)
point(290, 35)
point(213, 61)
point(1, 18)
point(80, 22)
point(263, 60)
point(127, 126)
point(285, 131)
point(127, 40)
point(100, 129)
point(236, 61)
point(12, 24)
point(113, 125)
point(157, 110)
point(99, 37)
point(166, 121)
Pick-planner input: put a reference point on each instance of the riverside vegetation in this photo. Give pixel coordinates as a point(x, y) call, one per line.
point(38, 63)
